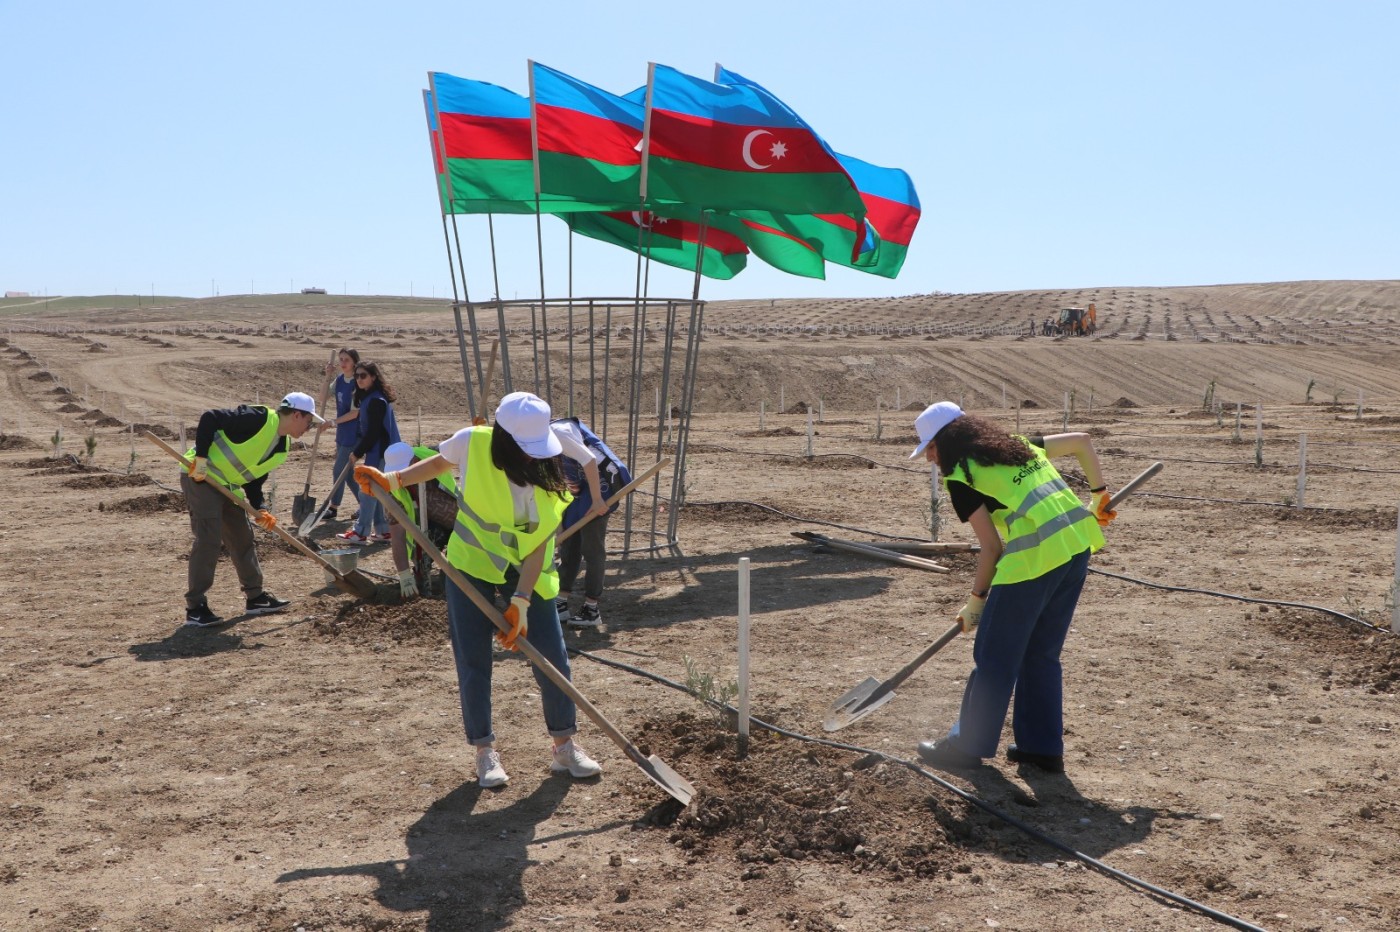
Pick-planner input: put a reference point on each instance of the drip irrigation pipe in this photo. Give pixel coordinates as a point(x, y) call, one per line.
point(1244, 598)
point(844, 527)
point(1242, 501)
point(716, 448)
point(1030, 830)
point(1251, 465)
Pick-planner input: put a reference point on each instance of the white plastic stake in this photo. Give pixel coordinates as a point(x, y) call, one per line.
point(809, 432)
point(761, 406)
point(782, 399)
point(1003, 396)
point(743, 655)
point(420, 426)
point(1302, 467)
point(1360, 396)
point(658, 401)
point(898, 406)
point(821, 409)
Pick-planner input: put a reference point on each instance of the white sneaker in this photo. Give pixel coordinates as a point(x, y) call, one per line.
point(489, 771)
point(574, 760)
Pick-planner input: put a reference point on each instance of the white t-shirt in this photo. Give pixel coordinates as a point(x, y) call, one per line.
point(454, 450)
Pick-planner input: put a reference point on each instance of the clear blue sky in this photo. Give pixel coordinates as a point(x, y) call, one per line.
point(272, 146)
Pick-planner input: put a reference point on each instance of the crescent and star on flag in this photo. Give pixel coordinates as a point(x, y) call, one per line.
point(777, 150)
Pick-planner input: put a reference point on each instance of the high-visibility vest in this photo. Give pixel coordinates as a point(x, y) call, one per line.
point(485, 541)
point(1042, 523)
point(236, 464)
point(447, 480)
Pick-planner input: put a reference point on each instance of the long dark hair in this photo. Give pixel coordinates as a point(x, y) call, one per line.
point(353, 354)
point(377, 381)
point(522, 468)
point(984, 441)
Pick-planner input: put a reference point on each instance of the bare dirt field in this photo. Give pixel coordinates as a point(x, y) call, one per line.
point(1234, 757)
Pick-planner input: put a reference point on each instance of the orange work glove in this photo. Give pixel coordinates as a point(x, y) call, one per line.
point(265, 520)
point(478, 421)
point(198, 468)
point(518, 618)
point(368, 475)
point(1098, 504)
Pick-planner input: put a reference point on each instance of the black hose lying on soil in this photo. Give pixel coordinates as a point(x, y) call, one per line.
point(1032, 831)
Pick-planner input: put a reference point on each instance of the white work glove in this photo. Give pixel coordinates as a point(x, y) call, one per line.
point(408, 586)
point(198, 468)
point(971, 613)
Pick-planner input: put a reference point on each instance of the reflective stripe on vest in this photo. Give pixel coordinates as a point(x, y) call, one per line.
point(1042, 522)
point(485, 543)
point(236, 464)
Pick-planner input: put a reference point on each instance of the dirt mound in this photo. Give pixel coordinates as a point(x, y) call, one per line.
point(824, 461)
point(800, 408)
point(1378, 518)
point(1029, 403)
point(107, 480)
point(15, 442)
point(788, 802)
point(107, 420)
point(147, 504)
point(1124, 402)
point(773, 432)
point(43, 375)
point(418, 620)
point(69, 408)
point(97, 348)
point(49, 466)
point(160, 430)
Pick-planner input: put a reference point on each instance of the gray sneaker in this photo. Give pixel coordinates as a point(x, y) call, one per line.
point(588, 617)
point(571, 759)
point(489, 772)
point(562, 607)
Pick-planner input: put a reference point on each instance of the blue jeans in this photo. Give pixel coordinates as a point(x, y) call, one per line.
point(342, 457)
point(1017, 649)
point(471, 634)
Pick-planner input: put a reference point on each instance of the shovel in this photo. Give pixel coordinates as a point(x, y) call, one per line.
point(870, 695)
point(354, 582)
point(304, 504)
point(309, 524)
point(657, 770)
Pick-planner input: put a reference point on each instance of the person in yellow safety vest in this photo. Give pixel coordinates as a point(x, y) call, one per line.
point(237, 448)
point(397, 457)
point(1036, 539)
point(511, 501)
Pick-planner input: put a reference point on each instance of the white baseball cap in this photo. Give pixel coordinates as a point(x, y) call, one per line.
point(526, 418)
point(933, 419)
point(398, 456)
point(301, 401)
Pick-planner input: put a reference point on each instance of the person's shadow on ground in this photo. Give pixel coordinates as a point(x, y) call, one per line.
point(463, 868)
point(188, 642)
point(1054, 807)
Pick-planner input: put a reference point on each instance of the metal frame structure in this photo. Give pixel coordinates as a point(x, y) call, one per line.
point(658, 340)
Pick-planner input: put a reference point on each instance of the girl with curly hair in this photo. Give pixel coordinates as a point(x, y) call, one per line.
point(1036, 538)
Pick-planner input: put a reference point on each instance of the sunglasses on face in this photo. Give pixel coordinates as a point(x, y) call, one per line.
point(362, 375)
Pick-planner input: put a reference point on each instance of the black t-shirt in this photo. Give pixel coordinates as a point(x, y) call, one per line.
point(966, 500)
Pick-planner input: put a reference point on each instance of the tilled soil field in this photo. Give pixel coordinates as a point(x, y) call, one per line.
point(1231, 680)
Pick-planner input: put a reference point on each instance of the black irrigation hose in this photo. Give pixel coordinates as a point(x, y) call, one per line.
point(712, 447)
point(1244, 598)
point(1240, 501)
point(844, 527)
point(1032, 831)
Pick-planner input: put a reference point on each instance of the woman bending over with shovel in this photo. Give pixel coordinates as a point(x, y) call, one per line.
point(1036, 538)
point(511, 501)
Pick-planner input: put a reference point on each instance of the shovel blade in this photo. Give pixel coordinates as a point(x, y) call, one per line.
point(855, 705)
point(303, 507)
point(663, 776)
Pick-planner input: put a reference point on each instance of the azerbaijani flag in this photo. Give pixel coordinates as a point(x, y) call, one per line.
point(435, 143)
point(587, 141)
point(879, 244)
point(485, 145)
point(668, 240)
point(892, 208)
point(731, 147)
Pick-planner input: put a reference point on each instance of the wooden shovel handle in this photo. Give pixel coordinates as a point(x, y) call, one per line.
point(613, 499)
point(393, 510)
